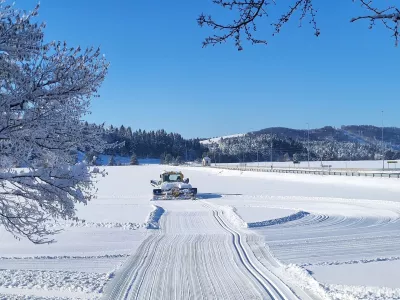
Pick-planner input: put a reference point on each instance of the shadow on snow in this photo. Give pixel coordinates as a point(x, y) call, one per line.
point(214, 195)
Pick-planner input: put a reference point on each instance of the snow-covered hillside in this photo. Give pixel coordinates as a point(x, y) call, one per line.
point(217, 139)
point(248, 236)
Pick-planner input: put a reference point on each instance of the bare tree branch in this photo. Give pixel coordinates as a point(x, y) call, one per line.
point(390, 17)
point(249, 11)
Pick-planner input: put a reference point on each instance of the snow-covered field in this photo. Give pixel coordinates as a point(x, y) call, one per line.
point(249, 236)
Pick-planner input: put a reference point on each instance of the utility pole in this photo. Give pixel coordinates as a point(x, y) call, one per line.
point(215, 162)
point(383, 150)
point(271, 146)
point(258, 164)
point(308, 144)
point(242, 146)
point(186, 153)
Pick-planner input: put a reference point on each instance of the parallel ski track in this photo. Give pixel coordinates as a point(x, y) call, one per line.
point(195, 255)
point(333, 238)
point(272, 290)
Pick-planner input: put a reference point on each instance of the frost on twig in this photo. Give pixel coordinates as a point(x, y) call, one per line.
point(45, 91)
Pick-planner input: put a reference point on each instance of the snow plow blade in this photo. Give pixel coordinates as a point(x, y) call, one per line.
point(184, 194)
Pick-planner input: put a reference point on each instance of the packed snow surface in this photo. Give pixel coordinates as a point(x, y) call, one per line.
point(248, 236)
point(377, 273)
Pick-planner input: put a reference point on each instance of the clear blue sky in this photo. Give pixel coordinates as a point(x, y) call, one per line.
point(161, 77)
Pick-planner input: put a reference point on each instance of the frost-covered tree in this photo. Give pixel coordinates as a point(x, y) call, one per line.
point(90, 157)
point(286, 157)
point(245, 14)
point(45, 91)
point(134, 160)
point(112, 161)
point(168, 159)
point(178, 160)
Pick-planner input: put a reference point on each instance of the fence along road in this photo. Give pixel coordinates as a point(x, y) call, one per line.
point(313, 171)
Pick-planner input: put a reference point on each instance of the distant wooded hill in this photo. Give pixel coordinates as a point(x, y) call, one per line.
point(353, 142)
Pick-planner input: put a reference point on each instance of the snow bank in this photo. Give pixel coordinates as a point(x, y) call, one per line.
point(304, 280)
point(84, 223)
point(154, 217)
point(351, 262)
point(31, 297)
point(67, 257)
point(339, 292)
point(54, 280)
point(232, 215)
point(254, 212)
point(292, 217)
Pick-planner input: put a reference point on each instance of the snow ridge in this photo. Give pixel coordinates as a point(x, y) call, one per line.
point(54, 280)
point(338, 292)
point(154, 217)
point(233, 216)
point(303, 279)
point(83, 223)
point(32, 297)
point(66, 257)
point(292, 217)
point(352, 262)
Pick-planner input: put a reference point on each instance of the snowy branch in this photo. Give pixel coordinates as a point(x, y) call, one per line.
point(45, 91)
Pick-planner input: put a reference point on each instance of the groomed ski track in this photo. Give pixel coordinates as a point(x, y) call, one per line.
point(198, 254)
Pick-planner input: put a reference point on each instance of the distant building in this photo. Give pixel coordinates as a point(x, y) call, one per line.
point(206, 161)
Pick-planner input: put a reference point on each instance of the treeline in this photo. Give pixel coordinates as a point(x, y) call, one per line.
point(256, 147)
point(152, 144)
point(271, 147)
point(284, 145)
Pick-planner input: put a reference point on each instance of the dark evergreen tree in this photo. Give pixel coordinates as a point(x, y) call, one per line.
point(112, 161)
point(134, 160)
